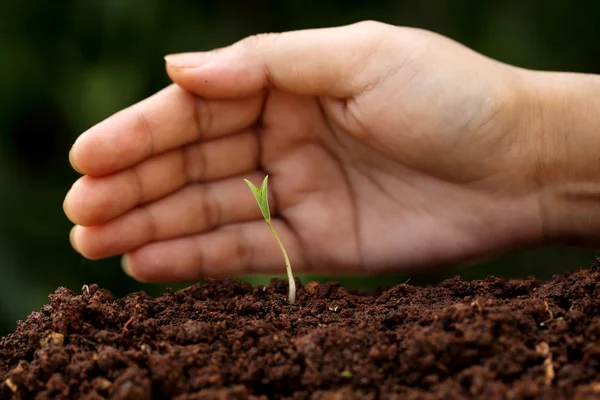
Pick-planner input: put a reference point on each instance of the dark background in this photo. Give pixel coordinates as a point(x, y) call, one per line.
point(66, 65)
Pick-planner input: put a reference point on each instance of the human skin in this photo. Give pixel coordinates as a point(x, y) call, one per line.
point(389, 150)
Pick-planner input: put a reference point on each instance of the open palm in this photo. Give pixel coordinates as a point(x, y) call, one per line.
point(378, 160)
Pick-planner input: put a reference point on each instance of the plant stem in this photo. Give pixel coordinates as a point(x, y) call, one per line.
point(288, 266)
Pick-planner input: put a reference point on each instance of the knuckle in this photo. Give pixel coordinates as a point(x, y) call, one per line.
point(373, 28)
point(243, 249)
point(211, 209)
point(192, 164)
point(369, 24)
point(257, 41)
point(204, 117)
point(200, 261)
point(146, 130)
point(150, 224)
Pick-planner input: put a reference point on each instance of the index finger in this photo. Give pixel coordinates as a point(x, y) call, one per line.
point(169, 119)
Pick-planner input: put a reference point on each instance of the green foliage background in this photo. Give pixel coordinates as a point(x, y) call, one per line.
point(66, 65)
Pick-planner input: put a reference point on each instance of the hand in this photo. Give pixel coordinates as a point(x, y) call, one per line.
point(389, 149)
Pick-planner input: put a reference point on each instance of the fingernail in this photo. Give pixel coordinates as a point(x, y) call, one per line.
point(72, 238)
point(65, 207)
point(186, 60)
point(181, 60)
point(125, 264)
point(72, 161)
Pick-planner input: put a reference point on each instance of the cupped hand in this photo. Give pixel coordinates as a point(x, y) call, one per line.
point(389, 149)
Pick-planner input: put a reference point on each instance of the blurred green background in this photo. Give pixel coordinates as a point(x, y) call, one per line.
point(66, 65)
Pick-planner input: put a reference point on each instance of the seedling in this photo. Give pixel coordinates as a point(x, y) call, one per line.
point(262, 198)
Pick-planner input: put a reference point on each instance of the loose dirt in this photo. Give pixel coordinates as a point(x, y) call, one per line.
point(223, 339)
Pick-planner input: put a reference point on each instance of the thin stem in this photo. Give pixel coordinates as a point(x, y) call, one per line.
point(288, 266)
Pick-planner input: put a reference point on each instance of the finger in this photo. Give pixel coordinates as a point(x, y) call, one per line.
point(194, 209)
point(95, 200)
point(245, 248)
point(314, 62)
point(171, 118)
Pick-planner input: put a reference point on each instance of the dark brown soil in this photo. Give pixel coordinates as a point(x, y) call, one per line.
point(223, 339)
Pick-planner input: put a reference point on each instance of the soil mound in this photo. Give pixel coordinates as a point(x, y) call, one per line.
point(223, 339)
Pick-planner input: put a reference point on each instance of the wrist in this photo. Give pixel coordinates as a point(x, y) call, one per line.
point(566, 125)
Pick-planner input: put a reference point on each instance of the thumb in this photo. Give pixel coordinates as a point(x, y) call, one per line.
point(322, 62)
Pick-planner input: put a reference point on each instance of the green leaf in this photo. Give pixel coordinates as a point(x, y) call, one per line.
point(264, 191)
point(261, 196)
point(255, 190)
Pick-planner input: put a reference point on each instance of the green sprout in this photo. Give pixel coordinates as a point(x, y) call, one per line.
point(262, 198)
